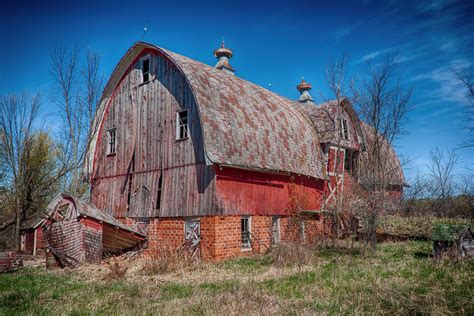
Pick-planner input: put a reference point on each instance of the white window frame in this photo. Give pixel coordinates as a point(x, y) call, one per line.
point(336, 151)
point(180, 124)
point(142, 60)
point(303, 229)
point(343, 130)
point(248, 246)
point(109, 141)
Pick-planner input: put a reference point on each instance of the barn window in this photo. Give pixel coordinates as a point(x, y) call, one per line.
point(275, 230)
point(245, 230)
point(182, 126)
point(343, 132)
point(146, 69)
point(160, 188)
point(302, 230)
point(111, 132)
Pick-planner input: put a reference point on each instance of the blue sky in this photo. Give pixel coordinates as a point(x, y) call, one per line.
point(275, 42)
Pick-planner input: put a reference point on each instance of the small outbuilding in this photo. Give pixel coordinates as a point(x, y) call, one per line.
point(32, 241)
point(76, 232)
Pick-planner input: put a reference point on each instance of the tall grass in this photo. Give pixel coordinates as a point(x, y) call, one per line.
point(401, 279)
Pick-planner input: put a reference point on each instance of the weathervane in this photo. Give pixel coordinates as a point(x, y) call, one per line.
point(144, 31)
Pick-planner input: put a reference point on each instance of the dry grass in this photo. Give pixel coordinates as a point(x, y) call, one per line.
point(401, 279)
point(168, 260)
point(292, 254)
point(117, 270)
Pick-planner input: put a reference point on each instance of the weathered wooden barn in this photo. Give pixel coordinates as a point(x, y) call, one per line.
point(195, 153)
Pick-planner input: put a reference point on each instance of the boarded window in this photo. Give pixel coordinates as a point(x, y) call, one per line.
point(182, 125)
point(192, 230)
point(146, 69)
point(302, 230)
point(111, 140)
point(275, 230)
point(245, 230)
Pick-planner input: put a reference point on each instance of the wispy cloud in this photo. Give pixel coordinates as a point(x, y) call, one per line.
point(375, 54)
point(346, 30)
point(449, 88)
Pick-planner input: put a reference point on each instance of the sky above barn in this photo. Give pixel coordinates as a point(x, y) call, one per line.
point(274, 42)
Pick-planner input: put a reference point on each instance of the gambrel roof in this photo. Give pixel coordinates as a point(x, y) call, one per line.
point(322, 116)
point(244, 125)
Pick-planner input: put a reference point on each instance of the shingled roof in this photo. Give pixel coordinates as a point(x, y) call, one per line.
point(391, 164)
point(244, 125)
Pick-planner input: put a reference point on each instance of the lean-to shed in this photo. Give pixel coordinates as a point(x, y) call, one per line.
point(77, 232)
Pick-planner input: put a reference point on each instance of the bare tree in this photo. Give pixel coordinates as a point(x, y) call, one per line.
point(29, 158)
point(466, 77)
point(442, 183)
point(76, 93)
point(383, 104)
point(336, 77)
point(416, 192)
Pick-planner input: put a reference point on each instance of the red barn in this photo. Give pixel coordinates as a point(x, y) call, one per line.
point(193, 152)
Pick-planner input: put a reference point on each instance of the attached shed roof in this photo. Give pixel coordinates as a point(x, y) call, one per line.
point(244, 125)
point(85, 209)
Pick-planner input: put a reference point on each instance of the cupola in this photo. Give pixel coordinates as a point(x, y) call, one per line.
point(223, 54)
point(304, 88)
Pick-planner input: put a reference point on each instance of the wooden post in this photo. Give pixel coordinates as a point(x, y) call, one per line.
point(34, 242)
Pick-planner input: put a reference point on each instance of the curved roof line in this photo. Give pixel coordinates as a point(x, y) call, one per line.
point(243, 124)
point(86, 209)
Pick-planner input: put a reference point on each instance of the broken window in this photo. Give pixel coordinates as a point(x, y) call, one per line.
point(350, 163)
point(343, 131)
point(158, 194)
point(111, 140)
point(275, 230)
point(302, 230)
point(182, 125)
point(245, 230)
point(146, 69)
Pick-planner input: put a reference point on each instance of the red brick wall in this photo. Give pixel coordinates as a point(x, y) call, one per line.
point(221, 235)
point(165, 232)
point(92, 234)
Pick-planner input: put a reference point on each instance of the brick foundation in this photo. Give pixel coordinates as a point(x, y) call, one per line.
point(221, 235)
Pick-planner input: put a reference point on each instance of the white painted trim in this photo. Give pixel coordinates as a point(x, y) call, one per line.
point(34, 242)
point(178, 124)
point(23, 242)
point(337, 150)
point(250, 233)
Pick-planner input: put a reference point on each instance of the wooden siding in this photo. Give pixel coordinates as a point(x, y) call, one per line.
point(242, 192)
point(146, 146)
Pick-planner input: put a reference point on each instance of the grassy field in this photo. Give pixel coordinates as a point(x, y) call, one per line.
point(401, 278)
